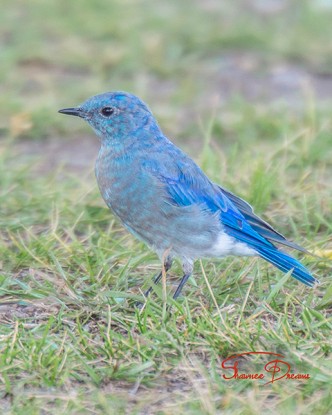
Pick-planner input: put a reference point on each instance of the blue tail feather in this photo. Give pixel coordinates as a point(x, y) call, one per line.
point(287, 263)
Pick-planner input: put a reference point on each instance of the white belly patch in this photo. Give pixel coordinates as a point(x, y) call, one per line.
point(227, 245)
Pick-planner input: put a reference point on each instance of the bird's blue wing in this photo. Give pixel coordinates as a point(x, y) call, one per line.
point(188, 189)
point(236, 216)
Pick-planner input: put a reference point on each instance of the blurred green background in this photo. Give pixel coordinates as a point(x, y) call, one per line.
point(179, 56)
point(245, 87)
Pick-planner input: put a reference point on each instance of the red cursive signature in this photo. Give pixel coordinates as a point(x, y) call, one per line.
point(274, 370)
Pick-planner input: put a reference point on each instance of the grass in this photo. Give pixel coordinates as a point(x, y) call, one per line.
point(71, 340)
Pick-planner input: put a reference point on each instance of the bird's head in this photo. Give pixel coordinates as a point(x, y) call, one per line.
point(114, 116)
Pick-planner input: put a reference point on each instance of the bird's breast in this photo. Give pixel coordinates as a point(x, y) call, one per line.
point(124, 186)
point(116, 183)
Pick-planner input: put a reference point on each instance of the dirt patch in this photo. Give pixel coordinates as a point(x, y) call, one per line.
point(254, 77)
point(32, 311)
point(75, 155)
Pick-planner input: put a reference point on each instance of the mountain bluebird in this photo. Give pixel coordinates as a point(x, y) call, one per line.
point(163, 198)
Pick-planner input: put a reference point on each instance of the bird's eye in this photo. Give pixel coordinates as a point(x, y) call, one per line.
point(107, 111)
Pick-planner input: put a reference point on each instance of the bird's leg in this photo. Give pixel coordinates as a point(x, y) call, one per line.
point(157, 278)
point(188, 270)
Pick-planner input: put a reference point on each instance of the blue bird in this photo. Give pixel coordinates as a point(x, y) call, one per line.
point(163, 198)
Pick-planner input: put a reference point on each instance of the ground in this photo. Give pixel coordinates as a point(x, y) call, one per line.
point(243, 87)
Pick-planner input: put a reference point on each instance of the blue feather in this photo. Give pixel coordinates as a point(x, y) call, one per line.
point(287, 263)
point(257, 234)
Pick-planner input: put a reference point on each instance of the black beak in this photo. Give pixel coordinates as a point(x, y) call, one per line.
point(72, 111)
